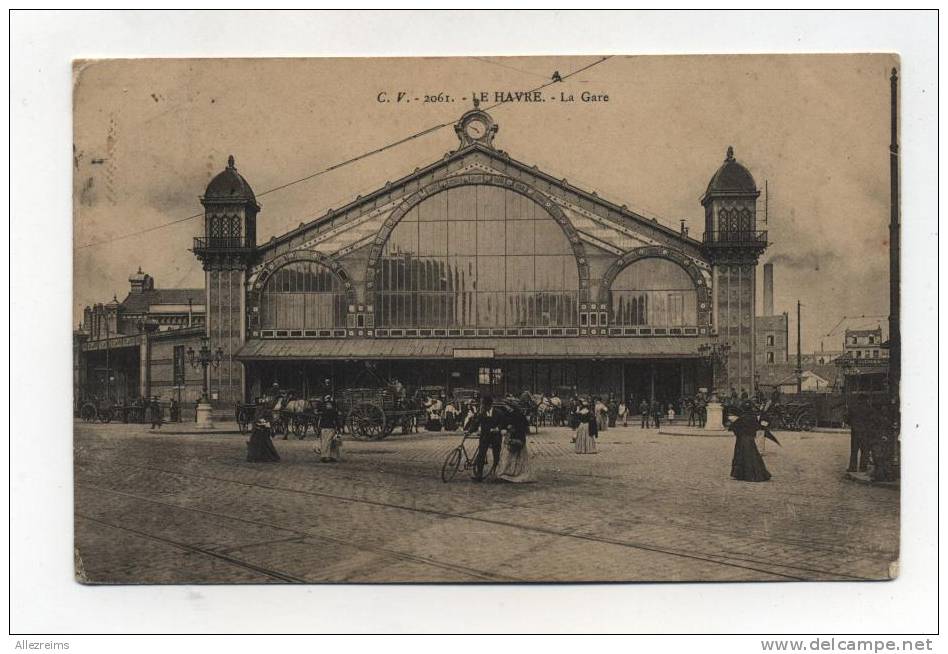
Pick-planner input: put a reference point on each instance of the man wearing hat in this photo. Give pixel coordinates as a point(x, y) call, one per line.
point(155, 410)
point(490, 437)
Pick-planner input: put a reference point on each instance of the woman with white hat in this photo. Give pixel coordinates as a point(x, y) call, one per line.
point(585, 438)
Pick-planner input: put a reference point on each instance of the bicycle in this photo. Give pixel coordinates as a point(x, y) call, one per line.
point(457, 458)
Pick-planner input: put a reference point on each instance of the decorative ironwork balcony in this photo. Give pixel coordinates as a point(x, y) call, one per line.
point(224, 244)
point(727, 238)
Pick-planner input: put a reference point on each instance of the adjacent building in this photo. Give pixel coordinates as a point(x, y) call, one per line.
point(865, 344)
point(137, 347)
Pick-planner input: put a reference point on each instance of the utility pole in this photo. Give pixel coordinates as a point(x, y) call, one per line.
point(895, 335)
point(108, 365)
point(799, 355)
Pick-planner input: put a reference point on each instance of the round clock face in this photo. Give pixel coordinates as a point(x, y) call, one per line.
point(476, 129)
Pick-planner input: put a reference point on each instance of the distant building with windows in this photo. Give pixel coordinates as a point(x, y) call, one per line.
point(137, 347)
point(865, 344)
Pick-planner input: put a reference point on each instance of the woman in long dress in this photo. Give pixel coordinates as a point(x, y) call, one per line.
point(330, 441)
point(514, 457)
point(260, 447)
point(747, 464)
point(585, 440)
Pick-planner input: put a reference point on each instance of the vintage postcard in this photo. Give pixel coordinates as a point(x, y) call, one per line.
point(486, 319)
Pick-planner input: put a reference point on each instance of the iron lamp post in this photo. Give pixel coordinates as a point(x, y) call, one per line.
point(715, 354)
point(205, 358)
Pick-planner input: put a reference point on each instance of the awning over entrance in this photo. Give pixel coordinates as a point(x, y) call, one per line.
point(472, 348)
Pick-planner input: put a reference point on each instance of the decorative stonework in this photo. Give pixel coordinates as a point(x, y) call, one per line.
point(479, 179)
point(659, 252)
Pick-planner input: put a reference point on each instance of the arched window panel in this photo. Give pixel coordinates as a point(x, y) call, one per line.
point(654, 292)
point(303, 295)
point(477, 256)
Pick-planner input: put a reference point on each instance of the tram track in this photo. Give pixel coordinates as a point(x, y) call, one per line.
point(788, 571)
point(793, 542)
point(476, 573)
point(194, 549)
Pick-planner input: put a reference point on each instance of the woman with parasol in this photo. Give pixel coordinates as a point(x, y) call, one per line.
point(747, 464)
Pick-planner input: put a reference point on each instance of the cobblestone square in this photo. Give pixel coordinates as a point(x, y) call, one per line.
point(159, 507)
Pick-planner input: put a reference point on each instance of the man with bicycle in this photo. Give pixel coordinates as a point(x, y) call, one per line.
point(490, 437)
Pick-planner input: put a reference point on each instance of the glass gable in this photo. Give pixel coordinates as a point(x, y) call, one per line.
point(477, 256)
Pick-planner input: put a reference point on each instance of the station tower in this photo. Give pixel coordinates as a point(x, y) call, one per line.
point(226, 251)
point(733, 245)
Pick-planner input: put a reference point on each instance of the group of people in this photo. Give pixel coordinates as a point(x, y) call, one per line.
point(260, 447)
point(503, 428)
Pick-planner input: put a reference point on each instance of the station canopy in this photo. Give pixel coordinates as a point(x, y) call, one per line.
point(474, 348)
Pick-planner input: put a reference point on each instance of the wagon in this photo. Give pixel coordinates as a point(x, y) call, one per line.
point(374, 413)
point(793, 416)
point(300, 422)
point(247, 414)
point(92, 410)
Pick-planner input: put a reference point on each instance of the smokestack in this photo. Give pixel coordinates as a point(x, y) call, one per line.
point(768, 289)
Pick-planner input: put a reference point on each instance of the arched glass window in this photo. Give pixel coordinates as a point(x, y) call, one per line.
point(303, 295)
point(654, 292)
point(477, 256)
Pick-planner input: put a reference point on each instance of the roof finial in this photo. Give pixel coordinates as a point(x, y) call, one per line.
point(230, 161)
point(730, 153)
point(140, 270)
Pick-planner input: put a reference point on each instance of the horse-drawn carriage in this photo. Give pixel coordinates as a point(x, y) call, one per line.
point(374, 413)
point(263, 408)
point(792, 416)
point(96, 409)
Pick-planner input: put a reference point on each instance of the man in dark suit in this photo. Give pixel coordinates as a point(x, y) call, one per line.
point(489, 420)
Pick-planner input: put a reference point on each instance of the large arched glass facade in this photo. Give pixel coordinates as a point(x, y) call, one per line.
point(653, 292)
point(303, 295)
point(477, 256)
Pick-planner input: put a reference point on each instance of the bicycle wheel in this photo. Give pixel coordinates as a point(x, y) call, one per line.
point(452, 463)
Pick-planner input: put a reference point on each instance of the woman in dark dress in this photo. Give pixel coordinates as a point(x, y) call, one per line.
point(747, 464)
point(260, 447)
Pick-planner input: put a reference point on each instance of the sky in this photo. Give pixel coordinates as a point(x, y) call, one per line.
point(150, 134)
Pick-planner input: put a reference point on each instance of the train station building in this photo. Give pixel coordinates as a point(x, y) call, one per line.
point(481, 271)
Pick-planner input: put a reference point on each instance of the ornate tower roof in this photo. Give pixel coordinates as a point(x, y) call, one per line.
point(732, 178)
point(229, 186)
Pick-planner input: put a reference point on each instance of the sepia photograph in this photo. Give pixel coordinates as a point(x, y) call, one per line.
point(332, 324)
point(486, 319)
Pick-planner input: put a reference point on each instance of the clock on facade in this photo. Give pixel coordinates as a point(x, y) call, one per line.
point(475, 126)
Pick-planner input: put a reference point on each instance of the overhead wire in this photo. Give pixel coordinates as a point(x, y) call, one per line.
point(341, 164)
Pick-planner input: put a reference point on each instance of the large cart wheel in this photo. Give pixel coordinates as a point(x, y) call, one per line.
point(243, 420)
point(88, 412)
point(452, 463)
point(367, 422)
point(805, 421)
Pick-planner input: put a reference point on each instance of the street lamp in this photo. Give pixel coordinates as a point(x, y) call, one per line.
point(715, 354)
point(205, 358)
